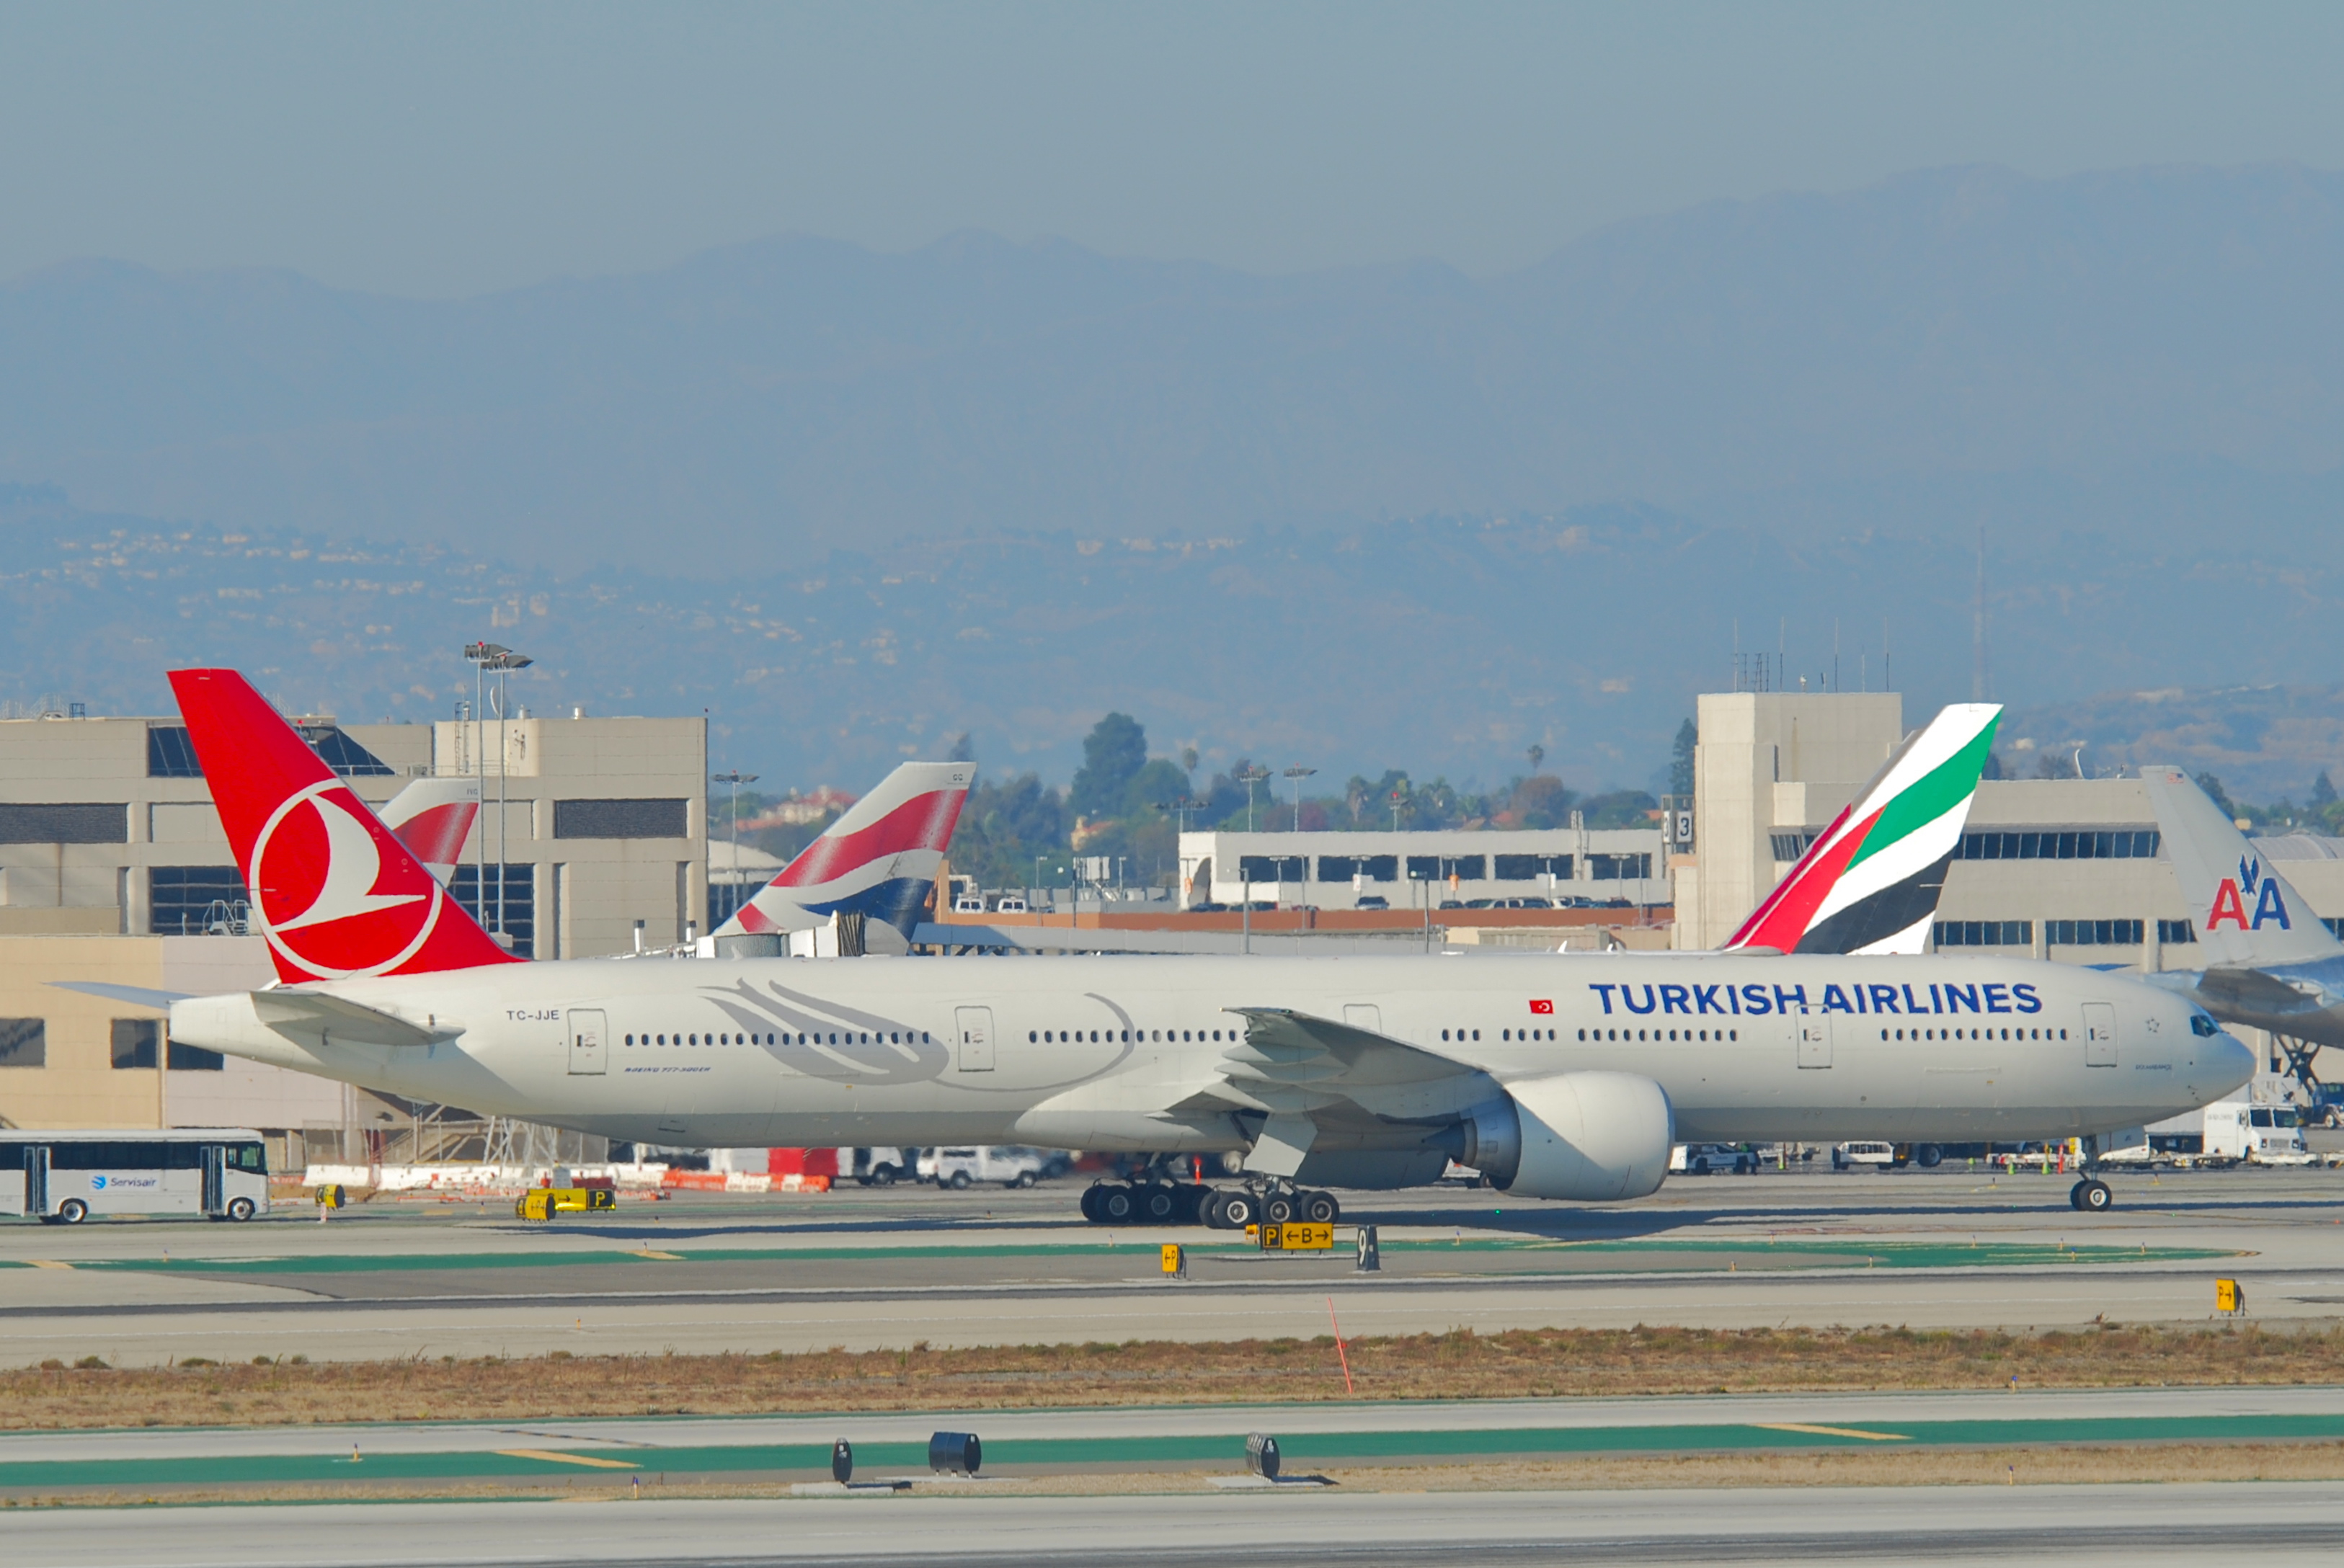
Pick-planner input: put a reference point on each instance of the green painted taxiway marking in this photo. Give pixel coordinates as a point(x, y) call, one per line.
point(1300, 1448)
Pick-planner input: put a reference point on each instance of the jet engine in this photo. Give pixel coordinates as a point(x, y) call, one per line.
point(1588, 1136)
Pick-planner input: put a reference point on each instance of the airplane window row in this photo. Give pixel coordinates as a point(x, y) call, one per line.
point(1976, 1034)
point(1125, 1037)
point(1690, 1035)
point(864, 1037)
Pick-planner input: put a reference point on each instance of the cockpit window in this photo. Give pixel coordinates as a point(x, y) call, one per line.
point(2203, 1024)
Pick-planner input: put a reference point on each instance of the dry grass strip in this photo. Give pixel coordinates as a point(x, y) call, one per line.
point(1457, 1365)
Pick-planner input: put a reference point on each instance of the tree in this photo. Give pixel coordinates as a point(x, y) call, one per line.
point(2219, 796)
point(1680, 760)
point(964, 748)
point(1537, 756)
point(1113, 755)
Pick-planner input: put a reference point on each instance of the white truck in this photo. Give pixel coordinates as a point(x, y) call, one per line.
point(1010, 1165)
point(2227, 1133)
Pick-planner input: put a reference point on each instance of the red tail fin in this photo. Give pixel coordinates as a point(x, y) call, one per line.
point(335, 893)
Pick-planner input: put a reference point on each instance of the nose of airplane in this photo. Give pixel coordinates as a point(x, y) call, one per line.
point(2233, 1061)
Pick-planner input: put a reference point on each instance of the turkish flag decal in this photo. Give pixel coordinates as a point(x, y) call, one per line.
point(1542, 1007)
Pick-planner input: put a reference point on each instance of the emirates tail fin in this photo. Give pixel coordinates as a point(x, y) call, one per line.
point(334, 890)
point(1870, 882)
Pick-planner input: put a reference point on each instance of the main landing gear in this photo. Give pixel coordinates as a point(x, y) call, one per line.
point(2092, 1196)
point(1158, 1202)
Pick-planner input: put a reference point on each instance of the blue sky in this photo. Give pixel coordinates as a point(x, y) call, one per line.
point(439, 150)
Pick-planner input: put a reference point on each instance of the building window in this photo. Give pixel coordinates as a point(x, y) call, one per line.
point(519, 902)
point(725, 899)
point(170, 754)
point(1271, 868)
point(2093, 933)
point(198, 900)
point(1530, 868)
point(620, 819)
point(1791, 845)
point(65, 823)
point(1986, 933)
point(1374, 867)
point(194, 1058)
point(135, 1042)
point(2171, 932)
point(345, 757)
point(24, 1042)
point(1619, 867)
point(2078, 844)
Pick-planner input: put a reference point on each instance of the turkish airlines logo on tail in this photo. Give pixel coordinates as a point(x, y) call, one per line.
point(323, 894)
point(2230, 896)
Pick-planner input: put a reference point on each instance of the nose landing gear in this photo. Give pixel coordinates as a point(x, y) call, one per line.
point(2091, 1195)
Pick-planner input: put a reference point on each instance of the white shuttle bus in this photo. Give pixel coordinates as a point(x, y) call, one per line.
point(64, 1177)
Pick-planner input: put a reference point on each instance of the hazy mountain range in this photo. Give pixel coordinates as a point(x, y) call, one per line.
point(857, 502)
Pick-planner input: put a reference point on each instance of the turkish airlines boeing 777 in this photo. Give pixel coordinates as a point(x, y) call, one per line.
point(1565, 1077)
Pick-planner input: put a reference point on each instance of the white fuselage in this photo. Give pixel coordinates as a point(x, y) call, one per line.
point(1119, 1052)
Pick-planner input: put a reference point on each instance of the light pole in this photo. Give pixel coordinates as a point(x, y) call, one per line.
point(735, 778)
point(485, 657)
point(1252, 776)
point(1295, 776)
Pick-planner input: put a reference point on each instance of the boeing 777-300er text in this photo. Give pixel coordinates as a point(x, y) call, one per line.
point(1561, 1078)
point(2269, 962)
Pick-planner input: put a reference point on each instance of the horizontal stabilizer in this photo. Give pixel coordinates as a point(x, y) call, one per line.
point(308, 1012)
point(136, 995)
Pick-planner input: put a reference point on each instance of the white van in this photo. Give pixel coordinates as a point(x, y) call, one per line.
point(64, 1177)
point(1011, 1164)
point(1865, 1156)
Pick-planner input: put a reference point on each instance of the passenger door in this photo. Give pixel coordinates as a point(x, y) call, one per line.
point(215, 1197)
point(36, 1179)
point(974, 1027)
point(590, 1041)
point(2099, 1034)
point(1815, 1042)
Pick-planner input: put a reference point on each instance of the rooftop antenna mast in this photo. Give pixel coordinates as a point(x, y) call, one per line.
point(1977, 627)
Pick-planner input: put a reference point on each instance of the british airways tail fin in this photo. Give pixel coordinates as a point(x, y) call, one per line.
point(2245, 912)
point(879, 860)
point(335, 892)
point(433, 817)
point(1870, 882)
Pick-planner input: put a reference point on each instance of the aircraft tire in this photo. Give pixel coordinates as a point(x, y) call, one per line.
point(1090, 1203)
point(1161, 1205)
point(1118, 1205)
point(1240, 1209)
point(1319, 1207)
point(1278, 1210)
point(2093, 1197)
point(1208, 1211)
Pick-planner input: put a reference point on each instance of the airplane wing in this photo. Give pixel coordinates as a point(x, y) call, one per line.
point(2245, 911)
point(1307, 1077)
point(303, 1013)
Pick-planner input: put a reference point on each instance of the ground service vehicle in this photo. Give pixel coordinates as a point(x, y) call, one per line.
point(64, 1177)
point(1011, 1165)
point(2227, 1133)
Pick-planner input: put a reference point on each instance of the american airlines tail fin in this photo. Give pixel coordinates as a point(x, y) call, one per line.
point(2245, 912)
point(433, 817)
point(879, 860)
point(335, 892)
point(1870, 883)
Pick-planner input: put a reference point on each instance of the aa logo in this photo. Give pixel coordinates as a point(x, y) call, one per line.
point(2231, 894)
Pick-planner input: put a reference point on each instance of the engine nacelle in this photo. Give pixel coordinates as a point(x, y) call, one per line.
point(1591, 1136)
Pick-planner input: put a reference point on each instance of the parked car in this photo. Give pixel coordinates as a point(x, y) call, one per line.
point(1011, 904)
point(968, 905)
point(1701, 1158)
point(1372, 901)
point(1010, 1165)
